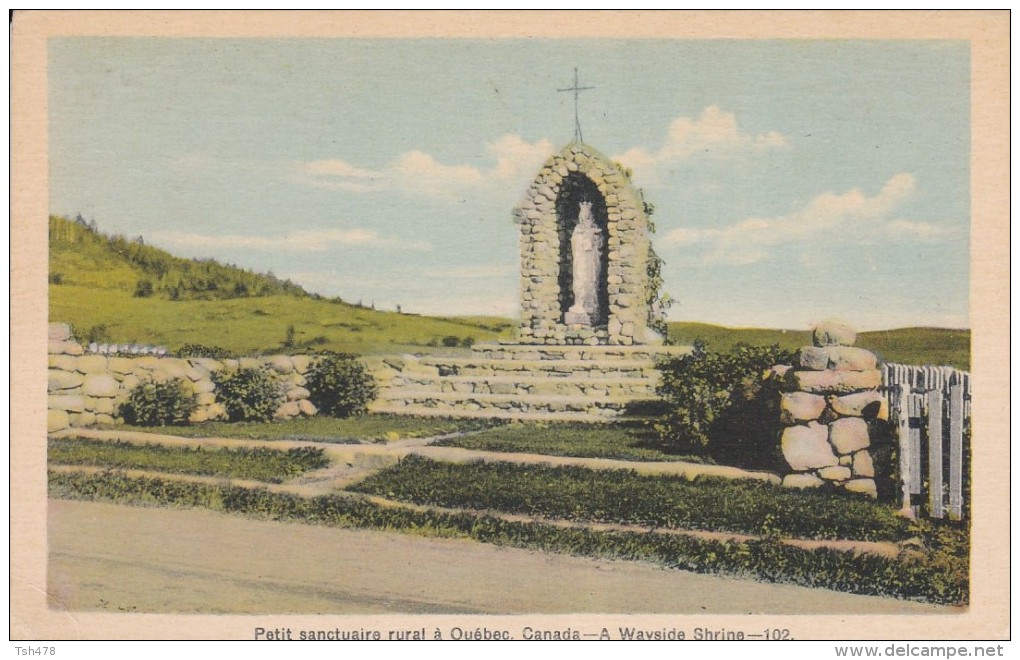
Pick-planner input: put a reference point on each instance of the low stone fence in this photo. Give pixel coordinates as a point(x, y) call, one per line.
point(88, 389)
point(826, 401)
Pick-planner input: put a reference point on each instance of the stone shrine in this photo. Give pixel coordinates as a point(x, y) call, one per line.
point(585, 349)
point(582, 218)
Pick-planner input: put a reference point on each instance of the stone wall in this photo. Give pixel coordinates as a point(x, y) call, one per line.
point(88, 389)
point(628, 245)
point(826, 401)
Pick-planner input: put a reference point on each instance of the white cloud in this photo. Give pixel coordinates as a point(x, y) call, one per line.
point(308, 240)
point(907, 229)
point(470, 272)
point(417, 173)
point(751, 240)
point(715, 133)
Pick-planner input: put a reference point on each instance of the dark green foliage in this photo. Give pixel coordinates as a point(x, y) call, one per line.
point(717, 402)
point(261, 463)
point(623, 496)
point(916, 578)
point(451, 340)
point(203, 351)
point(249, 395)
point(288, 339)
point(56, 278)
point(163, 403)
point(340, 386)
point(143, 289)
point(97, 333)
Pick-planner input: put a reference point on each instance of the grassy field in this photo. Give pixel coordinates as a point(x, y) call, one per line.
point(255, 325)
point(932, 346)
point(261, 464)
point(364, 428)
point(628, 442)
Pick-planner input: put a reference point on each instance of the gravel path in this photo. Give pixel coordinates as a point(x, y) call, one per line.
point(112, 558)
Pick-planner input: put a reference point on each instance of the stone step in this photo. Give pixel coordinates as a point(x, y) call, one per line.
point(454, 402)
point(551, 368)
point(533, 352)
point(489, 413)
point(529, 385)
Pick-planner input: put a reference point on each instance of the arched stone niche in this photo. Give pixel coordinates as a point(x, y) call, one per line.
point(547, 217)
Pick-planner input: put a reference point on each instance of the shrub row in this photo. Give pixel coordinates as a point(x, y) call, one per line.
point(260, 463)
point(338, 384)
point(915, 578)
point(576, 493)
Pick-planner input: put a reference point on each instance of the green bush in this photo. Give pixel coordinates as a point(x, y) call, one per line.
point(340, 386)
point(248, 395)
point(163, 403)
point(450, 341)
point(717, 402)
point(203, 351)
point(143, 289)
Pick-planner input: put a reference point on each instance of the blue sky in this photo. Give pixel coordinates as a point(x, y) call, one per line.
point(793, 181)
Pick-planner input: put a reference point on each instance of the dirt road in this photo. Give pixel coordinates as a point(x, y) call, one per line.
point(105, 557)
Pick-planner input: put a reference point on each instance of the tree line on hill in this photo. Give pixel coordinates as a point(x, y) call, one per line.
point(163, 274)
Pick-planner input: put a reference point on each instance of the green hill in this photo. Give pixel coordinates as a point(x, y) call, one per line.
point(934, 346)
point(113, 289)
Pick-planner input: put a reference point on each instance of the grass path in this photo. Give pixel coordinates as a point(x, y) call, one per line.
point(351, 463)
point(371, 457)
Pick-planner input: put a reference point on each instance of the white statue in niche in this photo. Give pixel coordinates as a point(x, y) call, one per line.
point(586, 260)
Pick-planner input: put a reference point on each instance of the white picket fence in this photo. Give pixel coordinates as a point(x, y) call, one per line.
point(930, 409)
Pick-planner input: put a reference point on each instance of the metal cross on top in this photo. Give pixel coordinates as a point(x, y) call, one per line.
point(576, 90)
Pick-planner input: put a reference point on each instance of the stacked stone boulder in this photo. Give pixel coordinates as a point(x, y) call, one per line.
point(86, 389)
point(826, 401)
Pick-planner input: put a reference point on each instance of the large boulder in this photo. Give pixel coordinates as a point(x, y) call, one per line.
point(869, 405)
point(833, 382)
point(806, 447)
point(833, 334)
point(93, 364)
point(863, 466)
point(64, 348)
point(835, 473)
point(866, 486)
point(62, 380)
point(848, 358)
point(812, 358)
point(796, 407)
point(100, 385)
point(57, 420)
point(849, 434)
point(67, 402)
point(802, 480)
